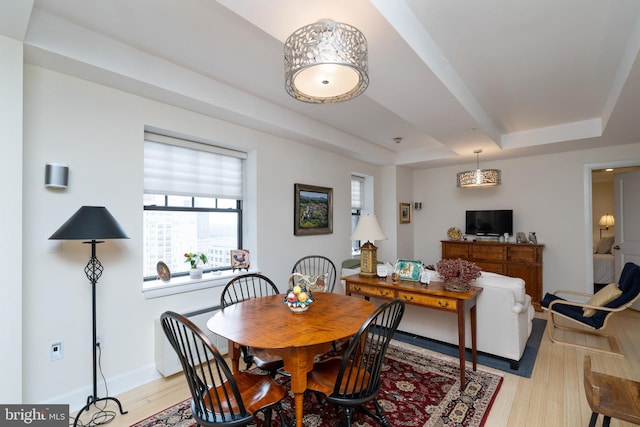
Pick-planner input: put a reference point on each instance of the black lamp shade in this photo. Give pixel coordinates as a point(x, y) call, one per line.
point(90, 223)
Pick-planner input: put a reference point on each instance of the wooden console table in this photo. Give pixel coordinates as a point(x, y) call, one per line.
point(428, 296)
point(510, 259)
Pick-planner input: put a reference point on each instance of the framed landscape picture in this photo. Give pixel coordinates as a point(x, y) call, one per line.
point(313, 210)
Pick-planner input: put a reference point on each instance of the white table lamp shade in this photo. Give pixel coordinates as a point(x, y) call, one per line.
point(368, 229)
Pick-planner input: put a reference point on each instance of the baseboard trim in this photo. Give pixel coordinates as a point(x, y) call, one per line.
point(117, 385)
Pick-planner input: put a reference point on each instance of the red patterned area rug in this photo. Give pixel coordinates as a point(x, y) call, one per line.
point(419, 388)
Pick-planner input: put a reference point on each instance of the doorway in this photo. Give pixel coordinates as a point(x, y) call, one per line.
point(602, 225)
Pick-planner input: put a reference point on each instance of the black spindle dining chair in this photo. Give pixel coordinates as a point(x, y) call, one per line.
point(219, 398)
point(242, 288)
point(354, 379)
point(317, 265)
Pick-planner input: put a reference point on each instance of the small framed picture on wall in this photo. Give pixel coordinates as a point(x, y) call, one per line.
point(405, 213)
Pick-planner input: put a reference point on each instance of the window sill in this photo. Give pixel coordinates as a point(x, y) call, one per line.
point(178, 285)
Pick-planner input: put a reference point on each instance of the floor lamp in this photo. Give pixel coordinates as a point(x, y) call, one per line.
point(94, 224)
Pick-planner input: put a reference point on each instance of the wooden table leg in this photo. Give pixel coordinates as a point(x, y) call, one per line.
point(461, 345)
point(234, 354)
point(474, 352)
point(298, 370)
point(298, 361)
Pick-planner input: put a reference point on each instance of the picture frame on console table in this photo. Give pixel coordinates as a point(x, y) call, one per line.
point(313, 210)
point(409, 269)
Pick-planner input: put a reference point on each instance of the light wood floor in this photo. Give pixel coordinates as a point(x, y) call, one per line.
point(553, 396)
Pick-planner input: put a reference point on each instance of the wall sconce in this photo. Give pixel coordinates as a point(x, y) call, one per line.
point(417, 206)
point(56, 175)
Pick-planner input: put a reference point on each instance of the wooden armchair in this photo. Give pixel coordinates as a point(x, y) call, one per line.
point(611, 396)
point(574, 311)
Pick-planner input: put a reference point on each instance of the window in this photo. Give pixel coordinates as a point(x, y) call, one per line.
point(192, 203)
point(357, 202)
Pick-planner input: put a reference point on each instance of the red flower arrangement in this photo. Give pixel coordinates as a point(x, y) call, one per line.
point(457, 273)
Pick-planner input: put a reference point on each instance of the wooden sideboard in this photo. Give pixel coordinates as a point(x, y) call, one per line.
point(510, 259)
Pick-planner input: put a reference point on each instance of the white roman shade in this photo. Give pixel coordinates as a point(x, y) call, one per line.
point(180, 167)
point(357, 194)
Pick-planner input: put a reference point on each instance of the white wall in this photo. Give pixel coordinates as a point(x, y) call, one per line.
point(11, 220)
point(387, 215)
point(406, 232)
point(98, 132)
point(548, 195)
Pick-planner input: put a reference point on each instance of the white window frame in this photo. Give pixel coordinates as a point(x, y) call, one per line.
point(158, 288)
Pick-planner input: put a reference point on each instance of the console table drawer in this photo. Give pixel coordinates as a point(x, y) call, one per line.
point(429, 301)
point(373, 291)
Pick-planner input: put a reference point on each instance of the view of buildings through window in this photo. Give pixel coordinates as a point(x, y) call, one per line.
point(174, 226)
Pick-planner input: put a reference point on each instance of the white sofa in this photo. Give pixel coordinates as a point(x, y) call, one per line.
point(504, 317)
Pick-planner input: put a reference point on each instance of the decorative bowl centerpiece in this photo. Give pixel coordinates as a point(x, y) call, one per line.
point(298, 297)
point(457, 274)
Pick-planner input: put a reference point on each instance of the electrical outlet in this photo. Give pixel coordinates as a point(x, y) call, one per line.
point(55, 352)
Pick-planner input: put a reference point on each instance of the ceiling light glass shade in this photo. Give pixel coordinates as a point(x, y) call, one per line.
point(479, 177)
point(607, 220)
point(326, 62)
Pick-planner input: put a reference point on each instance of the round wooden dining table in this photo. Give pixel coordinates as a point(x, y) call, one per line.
point(268, 323)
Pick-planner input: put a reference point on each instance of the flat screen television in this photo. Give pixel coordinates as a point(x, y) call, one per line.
point(489, 222)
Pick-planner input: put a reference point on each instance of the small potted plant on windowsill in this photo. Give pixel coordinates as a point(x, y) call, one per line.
point(194, 259)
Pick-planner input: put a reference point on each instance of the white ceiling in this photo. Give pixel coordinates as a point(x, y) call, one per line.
point(512, 77)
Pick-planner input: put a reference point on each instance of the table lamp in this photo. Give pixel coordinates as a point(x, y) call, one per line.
point(606, 221)
point(94, 224)
point(367, 231)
